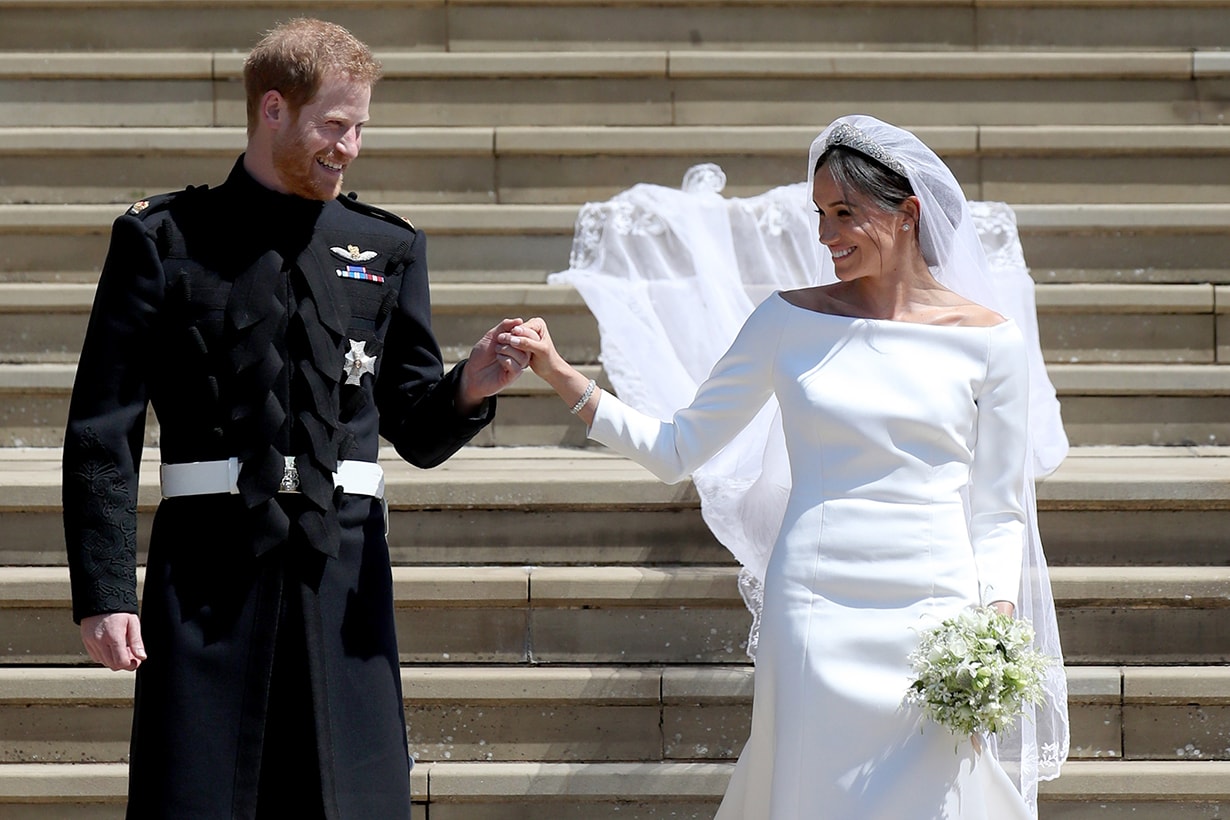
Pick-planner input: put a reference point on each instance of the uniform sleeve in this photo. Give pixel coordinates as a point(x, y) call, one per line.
point(414, 395)
point(997, 485)
point(738, 386)
point(106, 426)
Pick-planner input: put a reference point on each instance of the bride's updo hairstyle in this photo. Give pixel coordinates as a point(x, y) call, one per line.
point(871, 181)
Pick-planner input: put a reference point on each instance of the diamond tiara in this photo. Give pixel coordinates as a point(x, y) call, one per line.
point(847, 135)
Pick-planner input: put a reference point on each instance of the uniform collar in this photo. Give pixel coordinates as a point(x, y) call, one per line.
point(267, 204)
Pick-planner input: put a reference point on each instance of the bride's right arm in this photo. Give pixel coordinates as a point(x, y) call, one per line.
point(738, 386)
point(573, 387)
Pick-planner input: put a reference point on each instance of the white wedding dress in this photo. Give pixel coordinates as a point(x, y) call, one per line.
point(881, 539)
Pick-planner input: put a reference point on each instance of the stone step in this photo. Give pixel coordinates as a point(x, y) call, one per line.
point(1103, 404)
point(1111, 404)
point(548, 164)
point(1086, 324)
point(478, 243)
point(653, 615)
point(1087, 790)
point(461, 25)
point(668, 713)
point(1104, 507)
point(653, 87)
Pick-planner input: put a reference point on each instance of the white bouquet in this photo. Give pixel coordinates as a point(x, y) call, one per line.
point(976, 671)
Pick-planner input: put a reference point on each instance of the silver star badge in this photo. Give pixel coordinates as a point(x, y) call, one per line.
point(352, 253)
point(358, 362)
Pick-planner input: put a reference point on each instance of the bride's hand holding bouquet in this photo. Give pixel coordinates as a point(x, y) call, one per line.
point(977, 671)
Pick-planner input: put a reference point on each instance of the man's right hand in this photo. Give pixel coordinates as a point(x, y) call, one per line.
point(114, 640)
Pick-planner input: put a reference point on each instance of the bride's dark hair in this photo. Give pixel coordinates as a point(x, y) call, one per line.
point(871, 180)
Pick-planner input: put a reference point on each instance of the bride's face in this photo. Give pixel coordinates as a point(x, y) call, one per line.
point(862, 239)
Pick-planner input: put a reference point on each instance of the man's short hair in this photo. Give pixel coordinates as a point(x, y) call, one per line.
point(295, 57)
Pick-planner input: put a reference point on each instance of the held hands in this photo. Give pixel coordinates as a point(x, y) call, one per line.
point(493, 365)
point(533, 338)
point(114, 640)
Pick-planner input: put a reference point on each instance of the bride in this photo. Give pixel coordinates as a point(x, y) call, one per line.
point(903, 390)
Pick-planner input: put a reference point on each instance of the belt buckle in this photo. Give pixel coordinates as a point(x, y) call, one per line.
point(290, 476)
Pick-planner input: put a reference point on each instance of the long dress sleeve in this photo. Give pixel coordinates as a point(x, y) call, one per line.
point(737, 387)
point(997, 477)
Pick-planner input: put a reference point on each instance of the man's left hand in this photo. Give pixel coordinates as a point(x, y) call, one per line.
point(492, 367)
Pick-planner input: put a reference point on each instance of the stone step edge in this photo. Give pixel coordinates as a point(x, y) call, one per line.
point(1094, 379)
point(661, 63)
point(1081, 780)
point(684, 140)
point(1140, 477)
point(1110, 685)
point(1172, 587)
point(509, 219)
point(553, 5)
point(451, 298)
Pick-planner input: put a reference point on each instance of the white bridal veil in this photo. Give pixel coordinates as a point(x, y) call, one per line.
point(671, 275)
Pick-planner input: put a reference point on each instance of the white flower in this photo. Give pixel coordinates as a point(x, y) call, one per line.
point(976, 671)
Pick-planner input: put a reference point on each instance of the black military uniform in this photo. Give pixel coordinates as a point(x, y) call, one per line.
point(259, 326)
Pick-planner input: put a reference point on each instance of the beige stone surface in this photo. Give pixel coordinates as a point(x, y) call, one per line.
point(705, 685)
point(64, 733)
point(445, 586)
point(954, 64)
point(1143, 586)
point(1146, 420)
point(544, 731)
point(1122, 338)
point(705, 25)
point(924, 101)
point(631, 808)
point(1177, 685)
point(1147, 176)
point(139, 26)
point(604, 781)
point(626, 586)
point(102, 782)
point(631, 634)
point(1146, 537)
point(1094, 781)
point(156, 102)
point(705, 732)
point(1223, 332)
point(1176, 732)
point(1106, 634)
point(461, 635)
point(36, 65)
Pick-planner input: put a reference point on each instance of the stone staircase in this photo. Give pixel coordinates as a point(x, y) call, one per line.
point(571, 633)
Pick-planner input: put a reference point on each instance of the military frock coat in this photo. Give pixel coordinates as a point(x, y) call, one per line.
point(231, 312)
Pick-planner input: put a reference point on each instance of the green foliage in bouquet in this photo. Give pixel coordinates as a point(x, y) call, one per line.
point(977, 671)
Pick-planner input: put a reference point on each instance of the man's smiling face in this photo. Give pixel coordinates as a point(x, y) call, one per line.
point(321, 139)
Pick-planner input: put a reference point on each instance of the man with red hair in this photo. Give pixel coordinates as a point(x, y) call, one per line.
point(278, 330)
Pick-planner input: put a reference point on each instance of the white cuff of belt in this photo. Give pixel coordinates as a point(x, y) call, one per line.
point(210, 477)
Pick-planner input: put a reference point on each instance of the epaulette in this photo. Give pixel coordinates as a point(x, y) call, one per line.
point(352, 202)
point(145, 207)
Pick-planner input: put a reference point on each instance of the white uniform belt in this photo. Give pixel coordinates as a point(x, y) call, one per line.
point(207, 477)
